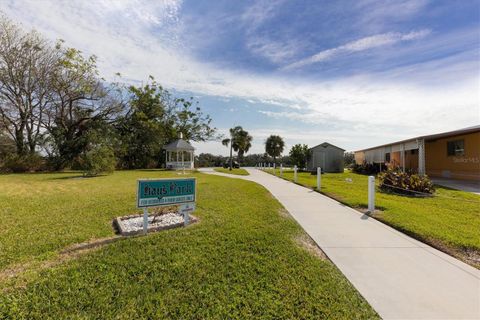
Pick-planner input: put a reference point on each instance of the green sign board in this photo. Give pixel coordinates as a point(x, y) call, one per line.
point(164, 192)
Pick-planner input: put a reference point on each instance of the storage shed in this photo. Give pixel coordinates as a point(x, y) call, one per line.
point(326, 156)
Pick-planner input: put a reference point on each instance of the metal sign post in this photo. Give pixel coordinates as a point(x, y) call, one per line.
point(295, 174)
point(185, 209)
point(281, 170)
point(145, 220)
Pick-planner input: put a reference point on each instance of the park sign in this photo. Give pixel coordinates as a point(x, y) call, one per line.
point(166, 192)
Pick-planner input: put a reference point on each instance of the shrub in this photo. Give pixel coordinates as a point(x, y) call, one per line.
point(368, 168)
point(99, 159)
point(23, 163)
point(395, 180)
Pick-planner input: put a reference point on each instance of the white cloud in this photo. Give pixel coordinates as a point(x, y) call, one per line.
point(137, 39)
point(261, 44)
point(376, 15)
point(362, 44)
point(259, 12)
point(275, 51)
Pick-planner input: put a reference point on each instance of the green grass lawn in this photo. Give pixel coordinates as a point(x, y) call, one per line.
point(240, 172)
point(450, 220)
point(241, 260)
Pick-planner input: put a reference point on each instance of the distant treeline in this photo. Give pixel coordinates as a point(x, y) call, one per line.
point(210, 160)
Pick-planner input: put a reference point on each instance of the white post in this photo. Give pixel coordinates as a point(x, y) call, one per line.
point(183, 162)
point(421, 156)
point(319, 178)
point(402, 157)
point(145, 220)
point(295, 173)
point(186, 218)
point(371, 194)
point(281, 170)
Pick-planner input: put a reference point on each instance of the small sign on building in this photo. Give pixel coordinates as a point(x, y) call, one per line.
point(166, 192)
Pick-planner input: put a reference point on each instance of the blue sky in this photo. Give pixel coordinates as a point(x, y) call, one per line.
point(353, 73)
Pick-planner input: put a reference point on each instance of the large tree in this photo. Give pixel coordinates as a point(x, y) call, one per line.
point(299, 155)
point(80, 103)
point(26, 64)
point(274, 146)
point(144, 128)
point(53, 97)
point(240, 141)
point(155, 117)
point(348, 159)
point(189, 118)
point(50, 96)
point(7, 145)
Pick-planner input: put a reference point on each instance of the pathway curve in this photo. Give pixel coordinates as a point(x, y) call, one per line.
point(399, 276)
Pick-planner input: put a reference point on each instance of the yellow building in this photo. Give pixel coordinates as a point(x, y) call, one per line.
point(454, 154)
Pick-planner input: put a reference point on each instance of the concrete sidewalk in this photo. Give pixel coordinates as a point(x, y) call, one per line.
point(399, 276)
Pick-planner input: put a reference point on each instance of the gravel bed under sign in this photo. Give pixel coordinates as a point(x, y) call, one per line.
point(133, 224)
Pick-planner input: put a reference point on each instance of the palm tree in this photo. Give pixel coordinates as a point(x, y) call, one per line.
point(240, 141)
point(274, 146)
point(226, 142)
point(242, 144)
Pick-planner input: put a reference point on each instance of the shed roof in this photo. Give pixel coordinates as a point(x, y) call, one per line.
point(431, 136)
point(326, 144)
point(179, 145)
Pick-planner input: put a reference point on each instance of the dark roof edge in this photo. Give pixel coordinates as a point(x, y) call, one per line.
point(430, 137)
point(178, 144)
point(328, 144)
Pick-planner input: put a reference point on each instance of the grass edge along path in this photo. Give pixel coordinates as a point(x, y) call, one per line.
point(242, 260)
point(235, 171)
point(448, 222)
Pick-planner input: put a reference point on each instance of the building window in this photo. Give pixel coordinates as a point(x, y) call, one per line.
point(455, 148)
point(387, 157)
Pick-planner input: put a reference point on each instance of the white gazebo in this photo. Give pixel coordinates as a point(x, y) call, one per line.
point(179, 155)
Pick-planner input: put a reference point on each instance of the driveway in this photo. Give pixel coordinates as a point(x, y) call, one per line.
point(464, 185)
point(399, 276)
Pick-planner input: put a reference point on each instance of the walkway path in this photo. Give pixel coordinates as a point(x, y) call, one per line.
point(399, 276)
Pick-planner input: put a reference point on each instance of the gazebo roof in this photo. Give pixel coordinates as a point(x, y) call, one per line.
point(179, 145)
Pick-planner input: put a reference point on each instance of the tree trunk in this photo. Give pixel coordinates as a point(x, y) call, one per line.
point(231, 157)
point(19, 142)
